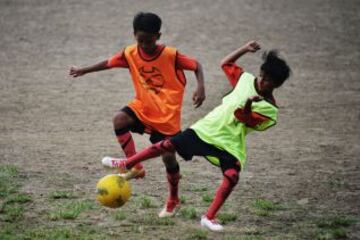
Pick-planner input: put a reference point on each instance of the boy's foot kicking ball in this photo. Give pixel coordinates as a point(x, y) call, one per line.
point(135, 172)
point(112, 162)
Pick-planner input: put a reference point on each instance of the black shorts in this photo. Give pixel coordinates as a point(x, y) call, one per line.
point(139, 127)
point(188, 144)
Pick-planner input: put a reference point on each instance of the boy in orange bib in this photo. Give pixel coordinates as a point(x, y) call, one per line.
point(158, 77)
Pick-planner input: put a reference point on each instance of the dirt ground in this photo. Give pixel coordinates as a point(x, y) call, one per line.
point(56, 129)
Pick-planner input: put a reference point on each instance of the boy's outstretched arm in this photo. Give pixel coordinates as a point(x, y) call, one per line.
point(77, 72)
point(199, 94)
point(251, 46)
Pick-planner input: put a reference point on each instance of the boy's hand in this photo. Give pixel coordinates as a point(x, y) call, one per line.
point(249, 101)
point(252, 46)
point(198, 97)
point(76, 72)
point(255, 98)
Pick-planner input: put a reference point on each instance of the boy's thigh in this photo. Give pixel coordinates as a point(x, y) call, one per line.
point(136, 126)
point(130, 121)
point(188, 144)
point(156, 137)
point(227, 161)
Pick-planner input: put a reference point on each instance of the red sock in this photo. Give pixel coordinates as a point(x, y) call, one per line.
point(128, 145)
point(154, 150)
point(223, 192)
point(173, 180)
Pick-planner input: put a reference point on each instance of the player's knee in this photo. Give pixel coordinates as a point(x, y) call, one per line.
point(117, 119)
point(169, 147)
point(165, 148)
point(120, 120)
point(233, 176)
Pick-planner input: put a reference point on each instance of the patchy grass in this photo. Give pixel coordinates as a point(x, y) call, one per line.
point(339, 233)
point(225, 218)
point(17, 198)
point(333, 227)
point(8, 171)
point(61, 195)
point(7, 184)
point(198, 234)
point(71, 210)
point(252, 231)
point(330, 234)
point(145, 202)
point(152, 220)
point(207, 198)
point(13, 227)
point(8, 232)
point(335, 221)
point(337, 183)
point(119, 216)
point(183, 199)
point(245, 238)
point(165, 221)
point(12, 212)
point(12, 201)
point(263, 207)
point(198, 189)
point(189, 213)
point(7, 188)
point(56, 233)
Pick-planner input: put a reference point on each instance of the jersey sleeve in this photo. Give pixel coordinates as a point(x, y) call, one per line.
point(232, 72)
point(184, 62)
point(118, 60)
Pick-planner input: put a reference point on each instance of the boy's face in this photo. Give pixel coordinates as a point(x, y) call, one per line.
point(147, 41)
point(265, 85)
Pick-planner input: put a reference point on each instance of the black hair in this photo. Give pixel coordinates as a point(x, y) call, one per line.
point(147, 22)
point(275, 68)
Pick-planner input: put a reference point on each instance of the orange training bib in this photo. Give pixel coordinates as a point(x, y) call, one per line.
point(158, 90)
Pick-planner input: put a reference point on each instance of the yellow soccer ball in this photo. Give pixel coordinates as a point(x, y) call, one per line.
point(113, 191)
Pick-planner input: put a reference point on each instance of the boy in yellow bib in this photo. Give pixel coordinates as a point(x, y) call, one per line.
point(220, 135)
